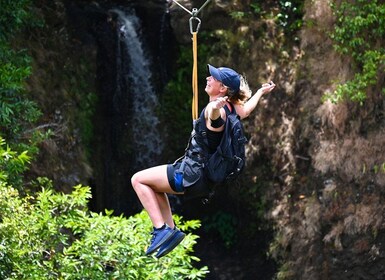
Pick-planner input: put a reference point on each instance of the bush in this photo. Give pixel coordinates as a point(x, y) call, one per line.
point(14, 67)
point(12, 164)
point(53, 236)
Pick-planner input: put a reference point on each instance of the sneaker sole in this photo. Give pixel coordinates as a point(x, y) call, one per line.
point(164, 251)
point(161, 242)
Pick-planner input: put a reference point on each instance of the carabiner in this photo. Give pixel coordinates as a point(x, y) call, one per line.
point(191, 24)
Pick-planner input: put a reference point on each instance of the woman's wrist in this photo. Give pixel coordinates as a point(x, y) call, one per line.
point(217, 123)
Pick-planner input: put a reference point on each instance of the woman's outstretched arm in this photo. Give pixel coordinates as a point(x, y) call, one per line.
point(245, 109)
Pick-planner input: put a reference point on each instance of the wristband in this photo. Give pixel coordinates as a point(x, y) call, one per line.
point(217, 123)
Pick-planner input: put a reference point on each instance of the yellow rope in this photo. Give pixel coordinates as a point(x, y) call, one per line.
point(195, 78)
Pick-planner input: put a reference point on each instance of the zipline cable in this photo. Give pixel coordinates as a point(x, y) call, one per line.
point(193, 13)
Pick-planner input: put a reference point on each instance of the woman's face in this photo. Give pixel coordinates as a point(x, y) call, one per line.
point(213, 86)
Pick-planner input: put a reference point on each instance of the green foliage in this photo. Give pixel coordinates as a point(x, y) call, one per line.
point(224, 224)
point(14, 68)
point(16, 114)
point(14, 65)
point(237, 15)
point(359, 33)
point(176, 102)
point(12, 164)
point(285, 273)
point(87, 105)
point(256, 8)
point(17, 111)
point(13, 16)
point(290, 15)
point(53, 236)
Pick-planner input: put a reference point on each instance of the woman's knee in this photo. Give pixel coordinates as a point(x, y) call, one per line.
point(141, 178)
point(135, 180)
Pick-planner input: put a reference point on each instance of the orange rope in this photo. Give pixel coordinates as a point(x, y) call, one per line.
point(195, 78)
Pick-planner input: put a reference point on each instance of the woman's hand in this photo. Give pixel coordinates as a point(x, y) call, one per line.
point(268, 87)
point(219, 102)
point(213, 109)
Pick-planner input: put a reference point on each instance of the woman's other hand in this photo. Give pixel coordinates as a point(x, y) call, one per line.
point(267, 87)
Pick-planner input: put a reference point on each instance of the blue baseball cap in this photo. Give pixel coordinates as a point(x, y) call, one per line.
point(227, 76)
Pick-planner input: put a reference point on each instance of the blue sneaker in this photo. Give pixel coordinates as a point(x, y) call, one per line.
point(159, 236)
point(171, 243)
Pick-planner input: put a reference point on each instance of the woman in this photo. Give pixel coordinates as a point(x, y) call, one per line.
point(224, 85)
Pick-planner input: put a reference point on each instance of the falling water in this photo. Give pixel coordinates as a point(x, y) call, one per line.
point(144, 122)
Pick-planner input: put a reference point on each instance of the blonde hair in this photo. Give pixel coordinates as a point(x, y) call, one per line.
point(242, 95)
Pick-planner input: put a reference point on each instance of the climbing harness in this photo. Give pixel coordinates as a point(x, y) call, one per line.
point(194, 23)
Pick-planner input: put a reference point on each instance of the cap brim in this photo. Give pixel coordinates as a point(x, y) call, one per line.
point(214, 72)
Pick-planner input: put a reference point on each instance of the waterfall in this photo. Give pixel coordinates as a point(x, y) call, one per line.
point(147, 142)
point(132, 68)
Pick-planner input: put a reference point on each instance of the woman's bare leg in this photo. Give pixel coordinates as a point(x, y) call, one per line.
point(165, 209)
point(151, 186)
